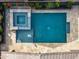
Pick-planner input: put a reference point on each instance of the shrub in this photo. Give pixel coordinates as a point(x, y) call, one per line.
point(57, 4)
point(50, 5)
point(1, 29)
point(38, 5)
point(31, 4)
point(1, 18)
point(69, 3)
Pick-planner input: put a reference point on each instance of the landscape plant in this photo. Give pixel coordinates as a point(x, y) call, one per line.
point(1, 29)
point(69, 3)
point(49, 5)
point(1, 17)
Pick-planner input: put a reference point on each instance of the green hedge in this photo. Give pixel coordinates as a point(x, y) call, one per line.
point(42, 5)
point(50, 5)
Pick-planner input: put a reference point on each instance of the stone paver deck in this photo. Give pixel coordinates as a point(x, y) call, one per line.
point(72, 43)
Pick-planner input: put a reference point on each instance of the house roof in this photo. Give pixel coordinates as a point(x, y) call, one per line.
point(34, 1)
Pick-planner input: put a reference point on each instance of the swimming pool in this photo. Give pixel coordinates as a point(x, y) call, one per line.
point(47, 28)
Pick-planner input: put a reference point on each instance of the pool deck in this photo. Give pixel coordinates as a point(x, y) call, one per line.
point(72, 38)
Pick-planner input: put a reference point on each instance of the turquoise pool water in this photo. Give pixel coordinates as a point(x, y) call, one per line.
point(46, 28)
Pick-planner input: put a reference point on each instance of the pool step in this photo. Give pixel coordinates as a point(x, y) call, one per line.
point(68, 27)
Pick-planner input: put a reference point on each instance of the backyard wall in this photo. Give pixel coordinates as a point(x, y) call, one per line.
point(66, 55)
